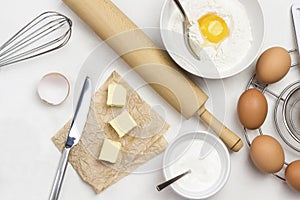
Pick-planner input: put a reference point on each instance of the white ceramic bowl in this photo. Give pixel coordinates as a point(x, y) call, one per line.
point(174, 43)
point(177, 148)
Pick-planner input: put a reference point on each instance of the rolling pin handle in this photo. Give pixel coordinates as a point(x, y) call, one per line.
point(231, 140)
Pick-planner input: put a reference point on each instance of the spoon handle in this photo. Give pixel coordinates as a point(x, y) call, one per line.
point(172, 180)
point(180, 7)
point(178, 4)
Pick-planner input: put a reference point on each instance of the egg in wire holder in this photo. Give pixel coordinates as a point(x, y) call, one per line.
point(286, 121)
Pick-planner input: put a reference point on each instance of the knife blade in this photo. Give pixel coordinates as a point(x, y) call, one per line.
point(75, 131)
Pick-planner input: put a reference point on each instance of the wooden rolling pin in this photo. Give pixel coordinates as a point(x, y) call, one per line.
point(152, 64)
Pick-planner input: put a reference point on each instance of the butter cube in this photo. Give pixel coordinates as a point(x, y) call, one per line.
point(123, 123)
point(110, 151)
point(116, 95)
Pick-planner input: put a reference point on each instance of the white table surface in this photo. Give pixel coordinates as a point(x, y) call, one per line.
point(28, 157)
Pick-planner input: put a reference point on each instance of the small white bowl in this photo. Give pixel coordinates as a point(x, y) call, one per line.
point(180, 146)
point(175, 45)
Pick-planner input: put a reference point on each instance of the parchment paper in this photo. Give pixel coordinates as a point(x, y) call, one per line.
point(138, 146)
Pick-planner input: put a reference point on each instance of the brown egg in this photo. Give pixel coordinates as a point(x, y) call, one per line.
point(273, 65)
point(252, 109)
point(292, 175)
point(267, 154)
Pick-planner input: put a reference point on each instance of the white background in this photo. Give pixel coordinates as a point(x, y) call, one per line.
point(28, 157)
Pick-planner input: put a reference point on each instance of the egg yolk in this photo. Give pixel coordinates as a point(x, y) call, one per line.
point(213, 28)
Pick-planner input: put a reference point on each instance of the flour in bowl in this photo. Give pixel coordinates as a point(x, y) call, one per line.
point(220, 31)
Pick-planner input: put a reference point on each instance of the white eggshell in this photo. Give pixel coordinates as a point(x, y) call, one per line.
point(54, 88)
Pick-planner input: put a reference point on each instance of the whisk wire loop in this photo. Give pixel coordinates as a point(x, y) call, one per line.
point(45, 33)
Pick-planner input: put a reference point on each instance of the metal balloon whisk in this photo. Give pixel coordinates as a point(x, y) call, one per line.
point(47, 32)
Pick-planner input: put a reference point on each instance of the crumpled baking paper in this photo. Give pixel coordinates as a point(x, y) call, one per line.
point(138, 146)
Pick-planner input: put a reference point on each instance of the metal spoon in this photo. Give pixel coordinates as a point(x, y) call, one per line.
point(172, 180)
point(186, 29)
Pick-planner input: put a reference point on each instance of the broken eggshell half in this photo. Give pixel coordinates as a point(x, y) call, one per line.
point(53, 88)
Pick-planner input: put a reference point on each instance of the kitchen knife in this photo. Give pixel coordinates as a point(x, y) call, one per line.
point(74, 134)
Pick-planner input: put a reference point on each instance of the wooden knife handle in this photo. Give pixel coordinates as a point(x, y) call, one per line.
point(231, 140)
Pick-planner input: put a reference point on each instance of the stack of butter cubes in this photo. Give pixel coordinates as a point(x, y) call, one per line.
point(122, 123)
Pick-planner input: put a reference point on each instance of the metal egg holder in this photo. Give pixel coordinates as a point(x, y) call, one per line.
point(288, 128)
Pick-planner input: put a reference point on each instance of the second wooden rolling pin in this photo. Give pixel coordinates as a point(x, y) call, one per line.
point(152, 64)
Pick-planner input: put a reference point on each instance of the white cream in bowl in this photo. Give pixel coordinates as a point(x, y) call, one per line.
point(208, 159)
point(206, 169)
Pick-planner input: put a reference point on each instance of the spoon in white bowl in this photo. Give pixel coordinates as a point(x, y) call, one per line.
point(172, 180)
point(186, 29)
